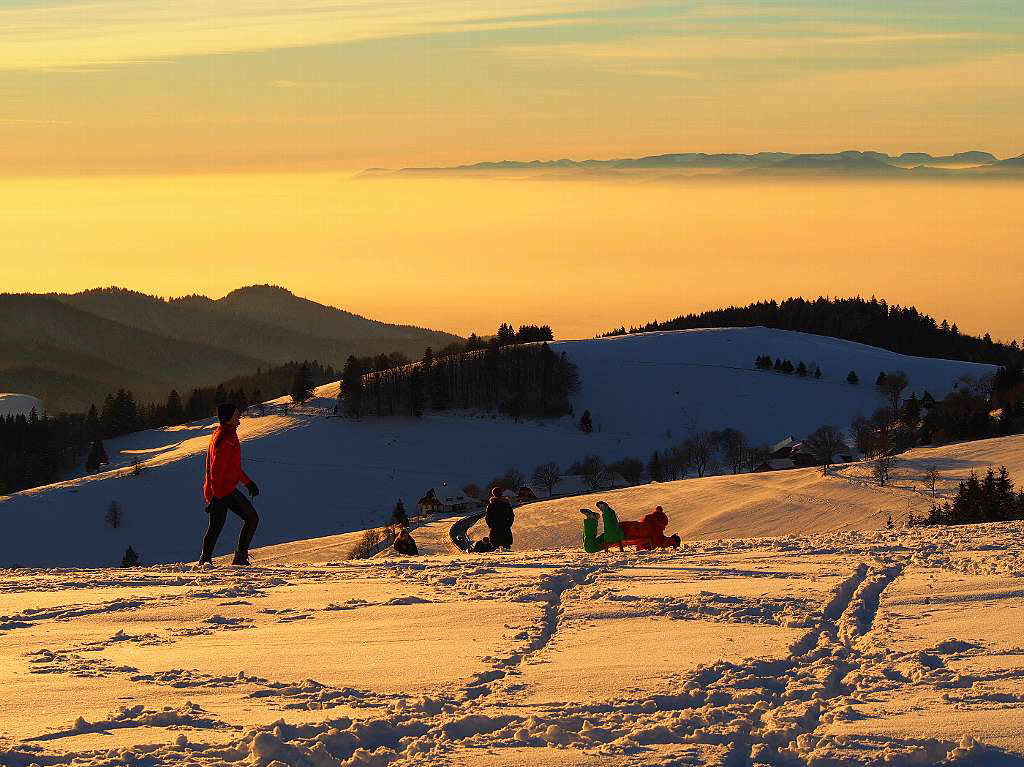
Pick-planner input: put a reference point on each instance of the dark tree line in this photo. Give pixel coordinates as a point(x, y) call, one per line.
point(989, 500)
point(36, 450)
point(764, 362)
point(515, 379)
point(874, 322)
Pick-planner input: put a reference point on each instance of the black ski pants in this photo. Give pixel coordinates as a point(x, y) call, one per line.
point(218, 511)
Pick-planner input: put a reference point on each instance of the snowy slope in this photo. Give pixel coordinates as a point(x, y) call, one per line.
point(19, 404)
point(321, 476)
point(650, 383)
point(795, 502)
point(883, 648)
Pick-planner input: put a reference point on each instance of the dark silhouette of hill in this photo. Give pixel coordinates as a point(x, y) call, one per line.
point(44, 333)
point(245, 323)
point(900, 329)
point(850, 162)
point(71, 350)
point(276, 305)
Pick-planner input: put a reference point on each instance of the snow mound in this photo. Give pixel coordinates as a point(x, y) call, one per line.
point(19, 404)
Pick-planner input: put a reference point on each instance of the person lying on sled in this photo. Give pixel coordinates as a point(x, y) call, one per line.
point(645, 535)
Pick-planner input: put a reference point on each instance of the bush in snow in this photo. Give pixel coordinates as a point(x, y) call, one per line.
point(851, 377)
point(114, 515)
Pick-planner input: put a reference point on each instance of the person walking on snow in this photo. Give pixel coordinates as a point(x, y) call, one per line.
point(499, 518)
point(645, 535)
point(220, 487)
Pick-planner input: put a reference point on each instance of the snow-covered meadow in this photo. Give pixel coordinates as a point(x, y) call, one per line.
point(321, 476)
point(884, 647)
point(790, 628)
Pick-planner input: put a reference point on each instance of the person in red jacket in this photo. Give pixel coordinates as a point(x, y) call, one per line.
point(647, 534)
point(220, 487)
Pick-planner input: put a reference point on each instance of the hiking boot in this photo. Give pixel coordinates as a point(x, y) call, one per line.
point(242, 561)
point(589, 513)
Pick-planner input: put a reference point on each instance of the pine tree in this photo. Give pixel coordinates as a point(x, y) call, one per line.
point(817, 372)
point(351, 392)
point(113, 516)
point(586, 422)
point(302, 384)
point(655, 469)
point(851, 377)
point(801, 369)
point(175, 410)
point(130, 558)
point(399, 515)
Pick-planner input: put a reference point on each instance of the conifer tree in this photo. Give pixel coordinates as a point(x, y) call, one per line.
point(586, 422)
point(130, 558)
point(302, 385)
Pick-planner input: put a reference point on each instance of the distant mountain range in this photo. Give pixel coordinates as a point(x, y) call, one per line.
point(907, 165)
point(70, 350)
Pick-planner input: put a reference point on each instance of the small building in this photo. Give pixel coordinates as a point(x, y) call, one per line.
point(776, 464)
point(782, 448)
point(525, 494)
point(445, 500)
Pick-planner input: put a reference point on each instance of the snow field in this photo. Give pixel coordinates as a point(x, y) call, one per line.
point(777, 503)
point(321, 476)
point(859, 648)
point(19, 404)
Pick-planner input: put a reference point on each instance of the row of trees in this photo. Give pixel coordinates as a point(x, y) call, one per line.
point(516, 379)
point(802, 369)
point(874, 322)
point(35, 450)
point(989, 500)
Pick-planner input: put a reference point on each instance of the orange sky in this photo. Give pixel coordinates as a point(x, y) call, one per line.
point(145, 85)
point(105, 104)
point(466, 254)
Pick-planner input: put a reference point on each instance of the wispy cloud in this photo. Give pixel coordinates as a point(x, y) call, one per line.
point(96, 33)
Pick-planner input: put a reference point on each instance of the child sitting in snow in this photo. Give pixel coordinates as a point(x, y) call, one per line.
point(645, 535)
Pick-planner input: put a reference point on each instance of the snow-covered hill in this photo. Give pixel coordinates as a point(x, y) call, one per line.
point(896, 647)
point(321, 475)
point(795, 502)
point(19, 404)
point(673, 381)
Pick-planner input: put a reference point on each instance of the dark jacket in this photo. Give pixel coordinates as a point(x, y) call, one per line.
point(404, 544)
point(499, 514)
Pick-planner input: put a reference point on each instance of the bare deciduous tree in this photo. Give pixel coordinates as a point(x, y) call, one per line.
point(880, 469)
point(547, 475)
point(824, 442)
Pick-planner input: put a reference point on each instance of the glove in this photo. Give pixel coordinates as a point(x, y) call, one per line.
point(214, 505)
point(253, 489)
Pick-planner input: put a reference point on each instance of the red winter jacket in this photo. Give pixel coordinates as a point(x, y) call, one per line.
point(223, 464)
point(648, 534)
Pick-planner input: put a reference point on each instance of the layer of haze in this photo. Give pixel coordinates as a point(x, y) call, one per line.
point(465, 254)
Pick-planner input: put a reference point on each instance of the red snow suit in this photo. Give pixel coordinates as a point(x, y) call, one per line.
point(223, 464)
point(649, 533)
